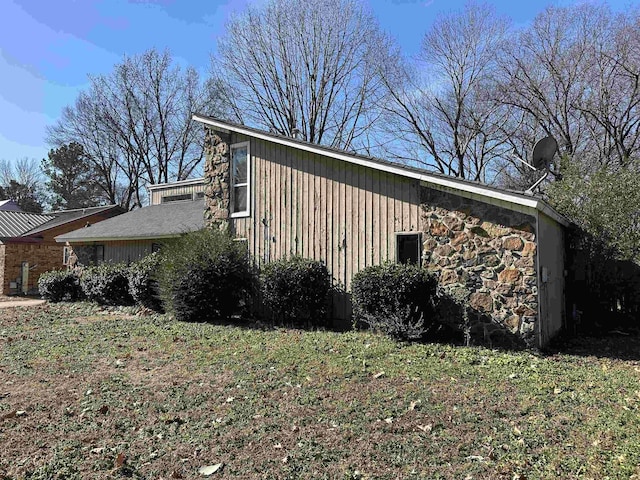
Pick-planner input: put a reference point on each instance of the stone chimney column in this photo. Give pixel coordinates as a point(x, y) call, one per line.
point(217, 178)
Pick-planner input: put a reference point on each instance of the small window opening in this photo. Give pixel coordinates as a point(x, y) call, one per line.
point(177, 198)
point(408, 246)
point(99, 253)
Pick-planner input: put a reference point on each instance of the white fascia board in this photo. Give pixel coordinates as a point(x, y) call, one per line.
point(451, 182)
point(180, 183)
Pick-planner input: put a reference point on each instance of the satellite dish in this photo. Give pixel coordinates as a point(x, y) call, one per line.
point(543, 153)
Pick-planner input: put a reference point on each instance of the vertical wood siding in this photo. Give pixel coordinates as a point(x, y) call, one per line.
point(322, 208)
point(125, 251)
point(156, 195)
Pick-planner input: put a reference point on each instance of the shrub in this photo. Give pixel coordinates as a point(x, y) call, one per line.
point(143, 287)
point(60, 285)
point(205, 274)
point(106, 284)
point(394, 298)
point(296, 290)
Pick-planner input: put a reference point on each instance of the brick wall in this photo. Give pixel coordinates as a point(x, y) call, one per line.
point(43, 257)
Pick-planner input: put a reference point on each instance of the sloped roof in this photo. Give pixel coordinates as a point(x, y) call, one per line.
point(16, 224)
point(65, 216)
point(10, 205)
point(426, 176)
point(156, 221)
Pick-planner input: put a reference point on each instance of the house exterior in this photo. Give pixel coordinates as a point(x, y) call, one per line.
point(27, 242)
point(501, 250)
point(176, 208)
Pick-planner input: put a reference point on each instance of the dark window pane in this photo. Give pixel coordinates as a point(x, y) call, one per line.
point(239, 199)
point(176, 198)
point(239, 163)
point(408, 248)
point(100, 253)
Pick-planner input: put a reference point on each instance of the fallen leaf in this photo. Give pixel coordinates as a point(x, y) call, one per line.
point(477, 458)
point(9, 415)
point(120, 459)
point(210, 469)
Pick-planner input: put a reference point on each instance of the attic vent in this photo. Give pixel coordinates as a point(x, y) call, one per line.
point(177, 198)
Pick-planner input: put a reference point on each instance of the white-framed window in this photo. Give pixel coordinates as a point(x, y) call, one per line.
point(66, 255)
point(240, 180)
point(408, 247)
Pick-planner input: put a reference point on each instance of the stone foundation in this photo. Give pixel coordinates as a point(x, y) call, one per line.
point(486, 255)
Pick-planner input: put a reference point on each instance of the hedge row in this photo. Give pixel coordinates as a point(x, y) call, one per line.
point(108, 284)
point(206, 274)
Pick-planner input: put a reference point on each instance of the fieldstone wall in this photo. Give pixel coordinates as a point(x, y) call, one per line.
point(487, 255)
point(217, 178)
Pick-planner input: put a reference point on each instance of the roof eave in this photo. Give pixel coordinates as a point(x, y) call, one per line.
point(61, 239)
point(451, 182)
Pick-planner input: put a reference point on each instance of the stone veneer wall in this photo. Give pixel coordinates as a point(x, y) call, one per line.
point(486, 254)
point(216, 178)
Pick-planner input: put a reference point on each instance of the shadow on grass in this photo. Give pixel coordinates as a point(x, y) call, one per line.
point(615, 345)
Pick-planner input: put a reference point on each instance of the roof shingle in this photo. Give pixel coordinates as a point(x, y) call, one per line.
point(155, 221)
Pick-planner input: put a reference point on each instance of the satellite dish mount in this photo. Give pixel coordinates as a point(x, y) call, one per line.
point(543, 153)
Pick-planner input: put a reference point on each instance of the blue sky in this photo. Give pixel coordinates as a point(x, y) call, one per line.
point(47, 48)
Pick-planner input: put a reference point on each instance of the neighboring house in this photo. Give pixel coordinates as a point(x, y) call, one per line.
point(27, 244)
point(176, 208)
point(10, 205)
point(502, 250)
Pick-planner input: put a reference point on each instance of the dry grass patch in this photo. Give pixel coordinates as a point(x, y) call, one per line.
point(87, 395)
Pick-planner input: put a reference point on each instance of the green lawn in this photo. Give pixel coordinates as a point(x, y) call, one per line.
point(89, 394)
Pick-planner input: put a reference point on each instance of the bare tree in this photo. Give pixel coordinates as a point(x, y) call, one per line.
point(611, 103)
point(307, 67)
point(22, 181)
point(135, 125)
point(545, 72)
point(440, 109)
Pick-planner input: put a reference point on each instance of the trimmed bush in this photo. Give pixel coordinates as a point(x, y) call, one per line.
point(296, 290)
point(205, 275)
point(106, 284)
point(143, 287)
point(396, 299)
point(59, 286)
